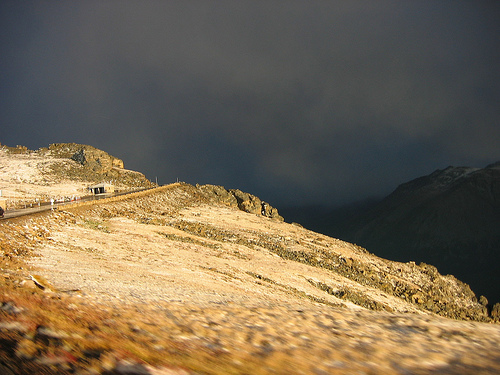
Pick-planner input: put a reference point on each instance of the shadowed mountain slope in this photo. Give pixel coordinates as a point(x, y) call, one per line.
point(450, 218)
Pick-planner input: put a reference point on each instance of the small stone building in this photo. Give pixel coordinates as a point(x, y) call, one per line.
point(102, 189)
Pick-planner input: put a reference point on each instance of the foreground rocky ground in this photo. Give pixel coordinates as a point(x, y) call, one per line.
point(182, 281)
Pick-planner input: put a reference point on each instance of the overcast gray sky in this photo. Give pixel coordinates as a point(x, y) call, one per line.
point(294, 101)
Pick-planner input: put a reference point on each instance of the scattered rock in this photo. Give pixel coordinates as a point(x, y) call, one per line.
point(17, 327)
point(125, 367)
point(48, 335)
point(10, 308)
point(39, 282)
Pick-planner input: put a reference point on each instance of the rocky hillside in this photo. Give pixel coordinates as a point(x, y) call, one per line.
point(62, 169)
point(241, 200)
point(175, 281)
point(93, 165)
point(186, 279)
point(450, 218)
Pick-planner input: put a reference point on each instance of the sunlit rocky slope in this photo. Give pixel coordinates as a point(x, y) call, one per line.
point(184, 279)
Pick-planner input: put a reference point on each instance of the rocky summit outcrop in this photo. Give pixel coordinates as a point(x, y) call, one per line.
point(95, 165)
point(97, 160)
point(244, 201)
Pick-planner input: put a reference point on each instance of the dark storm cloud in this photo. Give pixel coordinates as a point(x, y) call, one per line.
point(296, 101)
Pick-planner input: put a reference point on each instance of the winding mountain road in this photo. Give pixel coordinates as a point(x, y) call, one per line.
point(46, 206)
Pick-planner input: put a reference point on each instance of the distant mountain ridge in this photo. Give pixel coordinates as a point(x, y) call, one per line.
point(449, 218)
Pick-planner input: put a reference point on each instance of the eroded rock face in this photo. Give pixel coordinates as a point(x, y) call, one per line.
point(244, 201)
